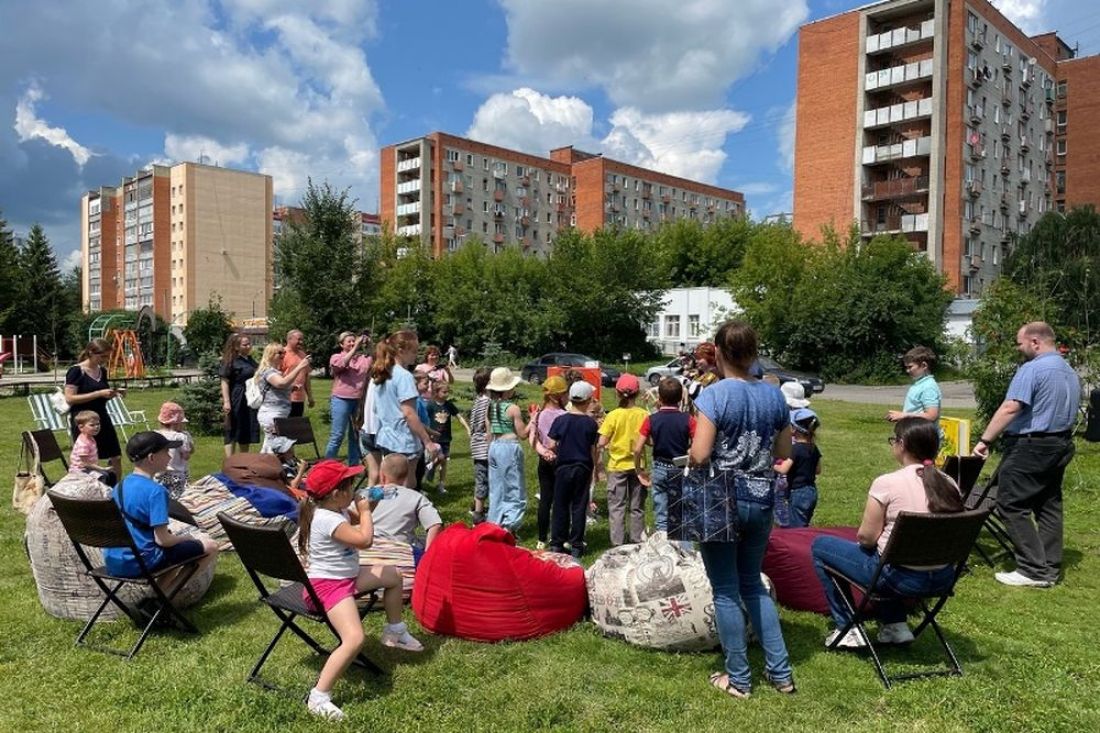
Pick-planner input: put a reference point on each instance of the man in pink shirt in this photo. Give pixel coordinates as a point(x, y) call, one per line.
point(301, 391)
point(350, 370)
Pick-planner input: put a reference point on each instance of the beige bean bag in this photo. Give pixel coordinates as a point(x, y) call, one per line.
point(64, 588)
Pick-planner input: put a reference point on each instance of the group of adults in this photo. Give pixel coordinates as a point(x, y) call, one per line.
point(743, 425)
point(372, 403)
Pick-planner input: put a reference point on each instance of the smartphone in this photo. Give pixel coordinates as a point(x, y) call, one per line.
point(680, 461)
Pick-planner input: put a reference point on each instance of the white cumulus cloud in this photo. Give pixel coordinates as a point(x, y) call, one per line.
point(532, 122)
point(1027, 14)
point(28, 126)
point(653, 55)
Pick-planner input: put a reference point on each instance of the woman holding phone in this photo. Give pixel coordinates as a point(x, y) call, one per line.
point(87, 388)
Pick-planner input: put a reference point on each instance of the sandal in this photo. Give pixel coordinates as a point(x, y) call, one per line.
point(721, 680)
point(785, 687)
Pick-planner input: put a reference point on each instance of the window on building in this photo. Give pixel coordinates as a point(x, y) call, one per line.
point(1062, 89)
point(1060, 146)
point(1060, 183)
point(694, 328)
point(452, 156)
point(469, 159)
point(1062, 118)
point(485, 164)
point(672, 327)
point(653, 331)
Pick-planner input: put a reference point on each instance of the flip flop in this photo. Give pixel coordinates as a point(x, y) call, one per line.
point(721, 681)
point(785, 687)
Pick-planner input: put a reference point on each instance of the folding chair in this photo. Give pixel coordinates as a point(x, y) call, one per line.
point(45, 417)
point(986, 499)
point(298, 429)
point(916, 540)
point(965, 471)
point(45, 443)
point(123, 417)
point(99, 523)
point(267, 551)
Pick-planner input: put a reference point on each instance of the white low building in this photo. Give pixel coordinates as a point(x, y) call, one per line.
point(688, 317)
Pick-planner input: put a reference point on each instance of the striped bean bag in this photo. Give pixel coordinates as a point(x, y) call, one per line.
point(206, 497)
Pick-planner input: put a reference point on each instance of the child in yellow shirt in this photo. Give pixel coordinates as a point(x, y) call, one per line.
point(624, 491)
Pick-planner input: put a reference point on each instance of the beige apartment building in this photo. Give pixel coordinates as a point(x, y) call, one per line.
point(443, 188)
point(172, 237)
point(943, 123)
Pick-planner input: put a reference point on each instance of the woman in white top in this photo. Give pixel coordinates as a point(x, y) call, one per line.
point(918, 486)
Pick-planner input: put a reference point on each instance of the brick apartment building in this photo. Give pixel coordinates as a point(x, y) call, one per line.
point(442, 189)
point(943, 123)
point(366, 224)
point(171, 237)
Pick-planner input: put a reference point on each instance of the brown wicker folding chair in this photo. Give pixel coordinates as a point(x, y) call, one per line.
point(298, 429)
point(921, 540)
point(267, 551)
point(99, 523)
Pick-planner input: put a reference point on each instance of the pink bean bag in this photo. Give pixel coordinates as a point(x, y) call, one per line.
point(788, 562)
point(476, 584)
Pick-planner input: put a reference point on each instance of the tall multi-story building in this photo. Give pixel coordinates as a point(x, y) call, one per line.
point(173, 237)
point(441, 188)
point(941, 122)
point(366, 225)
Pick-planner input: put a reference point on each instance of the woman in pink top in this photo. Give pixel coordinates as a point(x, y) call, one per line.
point(918, 486)
point(436, 372)
point(349, 373)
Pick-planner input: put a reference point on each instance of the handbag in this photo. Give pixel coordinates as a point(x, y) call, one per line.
point(703, 506)
point(29, 481)
point(254, 394)
point(60, 405)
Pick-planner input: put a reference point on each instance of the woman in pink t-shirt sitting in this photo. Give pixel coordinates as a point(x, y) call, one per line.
point(918, 486)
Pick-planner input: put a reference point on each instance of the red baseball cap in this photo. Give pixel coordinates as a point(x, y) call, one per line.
point(326, 475)
point(628, 384)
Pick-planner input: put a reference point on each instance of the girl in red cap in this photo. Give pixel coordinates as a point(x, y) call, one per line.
point(625, 493)
point(334, 525)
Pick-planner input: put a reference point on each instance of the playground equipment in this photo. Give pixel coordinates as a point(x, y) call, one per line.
point(126, 358)
point(22, 354)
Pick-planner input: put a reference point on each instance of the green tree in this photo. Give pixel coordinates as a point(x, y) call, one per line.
point(689, 254)
point(404, 292)
point(208, 328)
point(70, 306)
point(846, 309)
point(202, 399)
point(11, 281)
point(39, 307)
point(326, 275)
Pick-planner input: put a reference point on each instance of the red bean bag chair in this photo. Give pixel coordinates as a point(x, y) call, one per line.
point(476, 584)
point(788, 562)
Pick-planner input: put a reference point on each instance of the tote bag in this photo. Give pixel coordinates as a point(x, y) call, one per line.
point(29, 482)
point(703, 507)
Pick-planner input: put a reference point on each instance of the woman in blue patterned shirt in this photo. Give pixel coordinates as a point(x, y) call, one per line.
point(743, 425)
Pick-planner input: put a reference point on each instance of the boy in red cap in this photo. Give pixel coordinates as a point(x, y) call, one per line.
point(617, 434)
point(334, 524)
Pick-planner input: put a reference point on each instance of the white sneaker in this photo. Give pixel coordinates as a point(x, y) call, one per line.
point(441, 489)
point(896, 633)
point(1017, 578)
point(326, 709)
point(851, 640)
point(401, 640)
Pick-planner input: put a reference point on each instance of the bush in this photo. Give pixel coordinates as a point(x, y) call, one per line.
point(202, 399)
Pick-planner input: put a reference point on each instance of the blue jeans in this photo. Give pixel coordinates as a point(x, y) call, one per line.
point(507, 492)
point(803, 503)
point(662, 476)
point(343, 410)
point(734, 572)
point(859, 563)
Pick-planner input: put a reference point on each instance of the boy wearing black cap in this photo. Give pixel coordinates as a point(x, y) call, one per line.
point(144, 505)
point(573, 437)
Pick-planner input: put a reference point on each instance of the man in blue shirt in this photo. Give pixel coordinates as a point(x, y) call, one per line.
point(144, 505)
point(1037, 419)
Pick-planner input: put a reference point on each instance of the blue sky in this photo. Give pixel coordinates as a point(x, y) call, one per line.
point(90, 92)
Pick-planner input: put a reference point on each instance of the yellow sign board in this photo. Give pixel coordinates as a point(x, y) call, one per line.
point(955, 437)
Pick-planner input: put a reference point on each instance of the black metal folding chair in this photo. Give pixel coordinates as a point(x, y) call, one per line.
point(986, 498)
point(267, 551)
point(298, 429)
point(99, 523)
point(45, 442)
point(921, 540)
point(965, 471)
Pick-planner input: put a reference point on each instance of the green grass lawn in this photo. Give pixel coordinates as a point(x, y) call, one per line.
point(1029, 657)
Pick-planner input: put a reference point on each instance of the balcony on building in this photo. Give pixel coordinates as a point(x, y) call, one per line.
point(896, 188)
point(912, 148)
point(409, 164)
point(411, 230)
point(412, 186)
point(895, 113)
point(898, 75)
point(900, 37)
point(409, 209)
point(896, 224)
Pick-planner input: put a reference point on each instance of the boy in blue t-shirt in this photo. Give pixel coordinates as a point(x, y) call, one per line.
point(144, 505)
point(573, 437)
point(923, 398)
